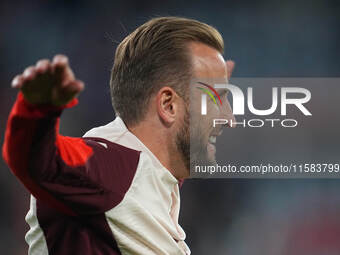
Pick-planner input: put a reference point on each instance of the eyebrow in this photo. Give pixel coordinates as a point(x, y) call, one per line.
point(211, 88)
point(219, 92)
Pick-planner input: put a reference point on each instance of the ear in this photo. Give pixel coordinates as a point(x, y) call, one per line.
point(167, 105)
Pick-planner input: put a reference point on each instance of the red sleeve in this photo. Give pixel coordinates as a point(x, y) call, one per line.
point(73, 175)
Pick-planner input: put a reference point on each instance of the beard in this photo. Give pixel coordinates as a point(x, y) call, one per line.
point(190, 143)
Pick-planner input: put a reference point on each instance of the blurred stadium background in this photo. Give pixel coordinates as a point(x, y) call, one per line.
point(267, 38)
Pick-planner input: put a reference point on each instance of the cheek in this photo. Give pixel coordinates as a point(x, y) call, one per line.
point(203, 124)
point(214, 112)
point(206, 127)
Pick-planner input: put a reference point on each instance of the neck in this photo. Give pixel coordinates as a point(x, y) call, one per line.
point(161, 143)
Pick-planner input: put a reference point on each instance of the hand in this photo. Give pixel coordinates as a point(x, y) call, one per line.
point(51, 83)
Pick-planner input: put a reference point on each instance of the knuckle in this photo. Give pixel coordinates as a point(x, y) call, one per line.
point(16, 80)
point(60, 58)
point(17, 77)
point(42, 62)
point(29, 70)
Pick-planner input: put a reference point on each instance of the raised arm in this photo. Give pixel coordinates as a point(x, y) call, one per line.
point(63, 172)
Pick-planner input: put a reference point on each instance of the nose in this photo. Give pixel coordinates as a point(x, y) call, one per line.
point(227, 113)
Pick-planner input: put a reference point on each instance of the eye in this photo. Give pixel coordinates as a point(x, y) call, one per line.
point(222, 94)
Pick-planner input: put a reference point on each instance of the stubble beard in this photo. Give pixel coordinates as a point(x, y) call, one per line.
point(190, 143)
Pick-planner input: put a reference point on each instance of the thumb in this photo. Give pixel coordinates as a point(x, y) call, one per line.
point(69, 91)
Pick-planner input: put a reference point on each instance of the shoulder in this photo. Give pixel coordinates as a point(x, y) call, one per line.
point(115, 163)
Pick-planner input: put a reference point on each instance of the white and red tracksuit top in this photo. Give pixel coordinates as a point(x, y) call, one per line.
point(105, 193)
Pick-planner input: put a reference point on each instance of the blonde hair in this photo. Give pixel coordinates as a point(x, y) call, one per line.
point(154, 55)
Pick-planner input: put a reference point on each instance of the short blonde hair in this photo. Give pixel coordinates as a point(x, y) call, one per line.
point(153, 56)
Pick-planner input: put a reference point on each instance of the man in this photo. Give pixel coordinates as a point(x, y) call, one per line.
point(116, 190)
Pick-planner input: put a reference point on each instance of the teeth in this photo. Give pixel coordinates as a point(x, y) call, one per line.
point(212, 139)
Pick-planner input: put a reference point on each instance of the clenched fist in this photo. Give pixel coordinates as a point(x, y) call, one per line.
point(47, 82)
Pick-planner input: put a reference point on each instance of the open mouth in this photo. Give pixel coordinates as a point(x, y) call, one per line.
point(211, 147)
point(212, 139)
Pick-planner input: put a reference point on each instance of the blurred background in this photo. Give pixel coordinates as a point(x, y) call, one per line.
point(266, 38)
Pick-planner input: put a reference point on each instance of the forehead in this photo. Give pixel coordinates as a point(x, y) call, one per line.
point(207, 62)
